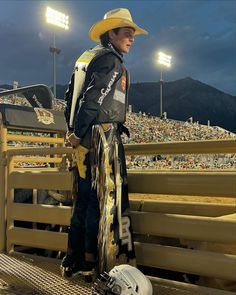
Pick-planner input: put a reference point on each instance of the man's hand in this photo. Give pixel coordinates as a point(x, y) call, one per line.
point(73, 140)
point(67, 143)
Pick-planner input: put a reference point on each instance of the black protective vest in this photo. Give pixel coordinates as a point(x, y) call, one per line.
point(113, 99)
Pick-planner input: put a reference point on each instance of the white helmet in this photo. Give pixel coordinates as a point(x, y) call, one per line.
point(123, 280)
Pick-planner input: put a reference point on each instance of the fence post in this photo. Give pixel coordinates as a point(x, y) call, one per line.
point(3, 147)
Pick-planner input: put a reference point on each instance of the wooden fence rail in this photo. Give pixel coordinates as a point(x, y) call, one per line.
point(179, 220)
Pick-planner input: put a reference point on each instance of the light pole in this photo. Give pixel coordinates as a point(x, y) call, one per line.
point(60, 20)
point(165, 60)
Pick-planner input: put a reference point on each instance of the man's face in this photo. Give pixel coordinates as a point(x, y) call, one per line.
point(123, 39)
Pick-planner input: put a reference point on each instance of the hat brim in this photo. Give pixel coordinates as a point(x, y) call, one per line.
point(105, 25)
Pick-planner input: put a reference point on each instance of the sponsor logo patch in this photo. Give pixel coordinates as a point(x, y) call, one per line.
point(44, 116)
point(123, 83)
point(105, 92)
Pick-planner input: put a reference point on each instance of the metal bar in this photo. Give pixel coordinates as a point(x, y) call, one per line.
point(10, 200)
point(41, 180)
point(3, 132)
point(204, 263)
point(18, 148)
point(38, 238)
point(180, 207)
point(40, 151)
point(36, 169)
point(25, 129)
point(183, 183)
point(54, 65)
point(41, 213)
point(188, 147)
point(37, 159)
point(40, 139)
point(2, 206)
point(197, 228)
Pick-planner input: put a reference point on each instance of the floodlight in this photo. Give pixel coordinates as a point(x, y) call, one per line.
point(164, 59)
point(57, 18)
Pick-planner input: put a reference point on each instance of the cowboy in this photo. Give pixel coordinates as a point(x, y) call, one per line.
point(96, 108)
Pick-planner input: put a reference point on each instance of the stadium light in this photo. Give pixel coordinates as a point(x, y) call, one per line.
point(57, 18)
point(165, 60)
point(60, 20)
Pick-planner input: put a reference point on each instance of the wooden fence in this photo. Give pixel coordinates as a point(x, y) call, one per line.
point(197, 221)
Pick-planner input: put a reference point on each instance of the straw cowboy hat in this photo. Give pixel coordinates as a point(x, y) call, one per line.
point(116, 18)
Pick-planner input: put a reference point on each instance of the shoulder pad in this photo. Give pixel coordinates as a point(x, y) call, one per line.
point(87, 56)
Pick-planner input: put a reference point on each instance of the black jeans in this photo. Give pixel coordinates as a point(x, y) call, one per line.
point(83, 231)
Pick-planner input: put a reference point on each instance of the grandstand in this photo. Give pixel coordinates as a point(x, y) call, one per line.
point(149, 129)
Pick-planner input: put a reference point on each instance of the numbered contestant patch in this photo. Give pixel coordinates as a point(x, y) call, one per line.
point(115, 238)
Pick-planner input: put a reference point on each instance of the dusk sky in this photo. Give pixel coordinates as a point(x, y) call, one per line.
point(199, 35)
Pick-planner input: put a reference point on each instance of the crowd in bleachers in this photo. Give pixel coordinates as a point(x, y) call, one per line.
point(15, 99)
point(182, 162)
point(58, 104)
point(149, 129)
